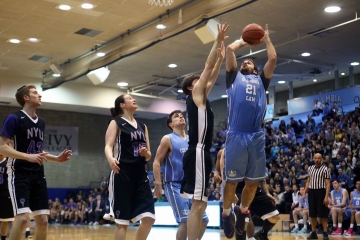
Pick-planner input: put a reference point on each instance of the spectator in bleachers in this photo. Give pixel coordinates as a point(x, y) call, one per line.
point(274, 151)
point(310, 124)
point(291, 142)
point(334, 151)
point(355, 147)
point(326, 111)
point(70, 210)
point(342, 178)
point(295, 199)
point(317, 107)
point(334, 111)
point(282, 139)
point(282, 126)
point(344, 165)
point(295, 125)
point(98, 209)
point(88, 212)
point(279, 198)
point(343, 151)
point(287, 198)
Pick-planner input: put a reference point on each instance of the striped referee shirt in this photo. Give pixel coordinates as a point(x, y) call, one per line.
point(318, 176)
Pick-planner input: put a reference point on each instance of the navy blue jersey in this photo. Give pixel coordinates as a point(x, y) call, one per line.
point(126, 148)
point(27, 135)
point(173, 164)
point(201, 124)
point(3, 176)
point(246, 101)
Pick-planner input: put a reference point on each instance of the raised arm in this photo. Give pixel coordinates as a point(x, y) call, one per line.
point(163, 151)
point(201, 88)
point(231, 63)
point(215, 72)
point(271, 53)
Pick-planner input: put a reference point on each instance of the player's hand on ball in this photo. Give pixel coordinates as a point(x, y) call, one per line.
point(114, 165)
point(266, 33)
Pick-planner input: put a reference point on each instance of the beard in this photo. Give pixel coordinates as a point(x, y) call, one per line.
point(246, 71)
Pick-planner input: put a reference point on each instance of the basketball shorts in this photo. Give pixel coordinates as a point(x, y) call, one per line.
point(261, 205)
point(317, 207)
point(6, 209)
point(28, 192)
point(244, 156)
point(347, 214)
point(130, 196)
point(180, 206)
point(197, 168)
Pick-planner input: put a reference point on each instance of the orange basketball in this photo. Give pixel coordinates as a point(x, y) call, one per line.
point(252, 34)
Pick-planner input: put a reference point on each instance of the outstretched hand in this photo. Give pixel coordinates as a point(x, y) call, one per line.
point(222, 28)
point(266, 33)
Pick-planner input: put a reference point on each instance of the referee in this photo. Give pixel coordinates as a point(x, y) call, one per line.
point(318, 184)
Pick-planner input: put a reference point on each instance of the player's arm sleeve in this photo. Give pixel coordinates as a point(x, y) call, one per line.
point(9, 127)
point(230, 78)
point(265, 81)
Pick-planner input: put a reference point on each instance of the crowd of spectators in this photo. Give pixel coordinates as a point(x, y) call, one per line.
point(81, 208)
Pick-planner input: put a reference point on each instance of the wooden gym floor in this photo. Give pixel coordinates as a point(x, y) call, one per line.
point(68, 232)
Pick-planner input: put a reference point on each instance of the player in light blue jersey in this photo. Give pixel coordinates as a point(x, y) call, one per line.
point(302, 210)
point(171, 151)
point(338, 203)
point(245, 140)
point(354, 209)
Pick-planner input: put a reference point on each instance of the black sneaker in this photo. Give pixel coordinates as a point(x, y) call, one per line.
point(228, 226)
point(241, 220)
point(260, 236)
point(312, 235)
point(28, 234)
point(325, 236)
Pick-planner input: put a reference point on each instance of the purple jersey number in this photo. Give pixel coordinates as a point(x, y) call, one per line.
point(136, 147)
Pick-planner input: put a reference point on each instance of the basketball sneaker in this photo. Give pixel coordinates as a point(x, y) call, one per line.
point(338, 231)
point(227, 224)
point(349, 232)
point(242, 219)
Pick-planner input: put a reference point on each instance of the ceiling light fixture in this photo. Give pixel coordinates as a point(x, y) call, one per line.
point(342, 74)
point(160, 26)
point(122, 84)
point(100, 54)
point(172, 65)
point(354, 63)
point(56, 75)
point(224, 96)
point(64, 7)
point(281, 82)
point(305, 54)
point(314, 80)
point(99, 75)
point(33, 40)
point(267, 92)
point(14, 40)
point(87, 6)
point(332, 9)
point(180, 91)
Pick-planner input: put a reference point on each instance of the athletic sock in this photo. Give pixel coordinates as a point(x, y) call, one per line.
point(351, 225)
point(267, 226)
point(226, 211)
point(27, 230)
point(296, 225)
point(243, 209)
point(334, 225)
point(252, 238)
point(340, 225)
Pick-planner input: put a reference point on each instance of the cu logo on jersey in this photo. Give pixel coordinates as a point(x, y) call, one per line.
point(117, 213)
point(185, 212)
point(22, 201)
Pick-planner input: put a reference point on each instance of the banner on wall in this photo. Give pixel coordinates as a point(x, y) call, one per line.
point(343, 97)
point(269, 112)
point(57, 139)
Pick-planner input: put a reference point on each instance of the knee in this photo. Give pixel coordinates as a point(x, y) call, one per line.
point(42, 222)
point(147, 221)
point(23, 218)
point(198, 206)
point(274, 219)
point(251, 185)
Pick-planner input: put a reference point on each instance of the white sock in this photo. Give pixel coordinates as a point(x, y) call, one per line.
point(339, 225)
point(243, 209)
point(27, 230)
point(252, 238)
point(351, 225)
point(334, 225)
point(226, 211)
point(305, 227)
point(296, 225)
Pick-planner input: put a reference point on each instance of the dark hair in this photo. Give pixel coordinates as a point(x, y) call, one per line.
point(187, 82)
point(169, 118)
point(335, 180)
point(255, 67)
point(21, 92)
point(117, 111)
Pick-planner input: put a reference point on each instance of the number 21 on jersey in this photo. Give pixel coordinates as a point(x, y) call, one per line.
point(251, 90)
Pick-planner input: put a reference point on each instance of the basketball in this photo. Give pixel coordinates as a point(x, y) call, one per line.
point(252, 34)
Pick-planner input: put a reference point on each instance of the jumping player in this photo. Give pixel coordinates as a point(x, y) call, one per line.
point(244, 154)
point(197, 161)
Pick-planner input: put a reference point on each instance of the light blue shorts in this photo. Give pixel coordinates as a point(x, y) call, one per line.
point(245, 156)
point(180, 206)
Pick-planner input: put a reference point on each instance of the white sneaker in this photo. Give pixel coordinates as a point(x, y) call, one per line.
point(91, 223)
point(96, 223)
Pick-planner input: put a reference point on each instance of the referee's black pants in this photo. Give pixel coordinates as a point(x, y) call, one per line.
point(317, 207)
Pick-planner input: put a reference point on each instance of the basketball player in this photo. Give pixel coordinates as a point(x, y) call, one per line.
point(197, 161)
point(127, 149)
point(263, 205)
point(339, 201)
point(171, 150)
point(24, 130)
point(244, 154)
point(6, 212)
point(353, 208)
